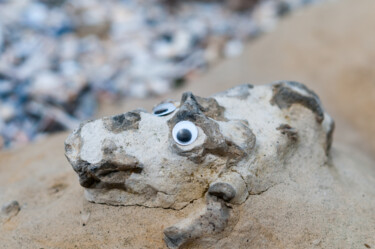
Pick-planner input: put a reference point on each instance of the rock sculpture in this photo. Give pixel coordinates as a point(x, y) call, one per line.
point(224, 148)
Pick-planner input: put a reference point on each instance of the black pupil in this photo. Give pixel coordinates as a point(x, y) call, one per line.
point(160, 111)
point(184, 135)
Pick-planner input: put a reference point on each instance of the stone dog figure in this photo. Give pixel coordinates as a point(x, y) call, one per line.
point(224, 148)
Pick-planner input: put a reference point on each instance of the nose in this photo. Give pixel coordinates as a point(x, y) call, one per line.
point(110, 172)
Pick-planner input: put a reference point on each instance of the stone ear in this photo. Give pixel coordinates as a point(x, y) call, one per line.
point(238, 136)
point(288, 93)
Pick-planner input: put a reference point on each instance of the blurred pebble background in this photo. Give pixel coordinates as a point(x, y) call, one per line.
point(59, 59)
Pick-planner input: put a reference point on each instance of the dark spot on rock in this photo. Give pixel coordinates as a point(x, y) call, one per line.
point(86, 178)
point(302, 87)
point(186, 96)
point(291, 132)
point(284, 96)
point(367, 246)
point(330, 136)
point(68, 148)
point(122, 122)
point(108, 147)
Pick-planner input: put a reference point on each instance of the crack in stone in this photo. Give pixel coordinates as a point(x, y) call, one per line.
point(165, 208)
point(263, 191)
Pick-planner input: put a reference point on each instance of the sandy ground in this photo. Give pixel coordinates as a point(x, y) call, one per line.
point(329, 47)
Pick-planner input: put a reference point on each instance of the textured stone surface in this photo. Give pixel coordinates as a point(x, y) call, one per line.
point(249, 140)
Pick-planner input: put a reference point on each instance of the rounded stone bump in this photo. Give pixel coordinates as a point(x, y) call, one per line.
point(222, 190)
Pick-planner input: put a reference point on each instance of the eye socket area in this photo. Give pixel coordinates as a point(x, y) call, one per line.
point(164, 109)
point(185, 133)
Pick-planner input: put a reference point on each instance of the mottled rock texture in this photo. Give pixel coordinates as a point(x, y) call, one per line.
point(237, 143)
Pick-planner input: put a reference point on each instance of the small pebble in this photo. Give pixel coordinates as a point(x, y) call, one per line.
point(316, 242)
point(10, 209)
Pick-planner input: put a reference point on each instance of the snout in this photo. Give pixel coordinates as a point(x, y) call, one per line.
point(99, 161)
point(111, 173)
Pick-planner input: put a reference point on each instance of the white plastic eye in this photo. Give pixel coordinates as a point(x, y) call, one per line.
point(185, 132)
point(163, 109)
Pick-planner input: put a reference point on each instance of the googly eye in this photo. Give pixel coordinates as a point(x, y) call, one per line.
point(185, 132)
point(164, 109)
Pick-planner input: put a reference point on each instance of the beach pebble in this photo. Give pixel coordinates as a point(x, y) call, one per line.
point(10, 209)
point(233, 48)
point(48, 85)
